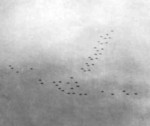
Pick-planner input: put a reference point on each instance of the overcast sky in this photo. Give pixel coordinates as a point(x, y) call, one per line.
point(56, 27)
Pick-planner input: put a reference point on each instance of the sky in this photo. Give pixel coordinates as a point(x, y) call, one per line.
point(42, 24)
point(57, 36)
point(66, 29)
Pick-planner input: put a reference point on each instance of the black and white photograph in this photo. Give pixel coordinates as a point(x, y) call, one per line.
point(74, 63)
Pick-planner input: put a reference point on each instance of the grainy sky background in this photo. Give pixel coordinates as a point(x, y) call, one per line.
point(56, 36)
point(36, 23)
point(50, 28)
